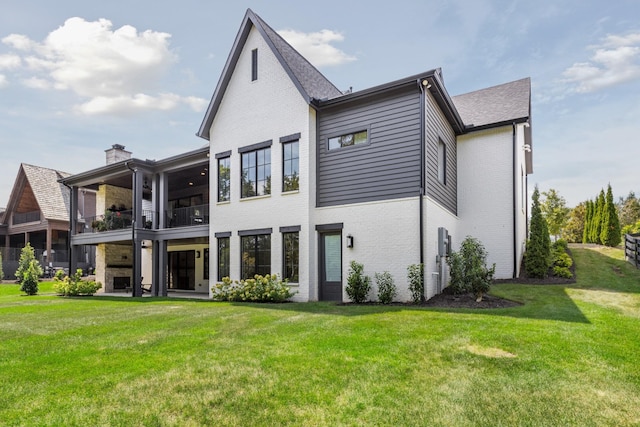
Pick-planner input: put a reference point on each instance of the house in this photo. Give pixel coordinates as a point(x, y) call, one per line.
point(38, 213)
point(308, 178)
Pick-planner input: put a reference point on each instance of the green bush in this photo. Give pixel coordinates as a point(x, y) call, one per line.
point(73, 285)
point(358, 285)
point(386, 288)
point(30, 276)
point(562, 259)
point(259, 289)
point(27, 255)
point(415, 275)
point(562, 272)
point(468, 268)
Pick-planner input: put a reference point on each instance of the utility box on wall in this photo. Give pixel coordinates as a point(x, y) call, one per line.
point(444, 242)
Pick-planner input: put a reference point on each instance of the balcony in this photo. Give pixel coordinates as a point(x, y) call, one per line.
point(189, 216)
point(116, 220)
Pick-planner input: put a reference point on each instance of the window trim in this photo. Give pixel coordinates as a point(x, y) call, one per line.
point(284, 231)
point(252, 150)
point(283, 145)
point(351, 131)
point(228, 199)
point(442, 162)
point(247, 233)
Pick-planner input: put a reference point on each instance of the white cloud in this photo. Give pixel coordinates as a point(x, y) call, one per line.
point(316, 47)
point(8, 62)
point(3, 81)
point(614, 61)
point(116, 71)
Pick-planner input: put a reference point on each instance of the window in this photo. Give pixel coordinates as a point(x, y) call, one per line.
point(256, 255)
point(291, 172)
point(223, 258)
point(291, 253)
point(205, 269)
point(224, 179)
point(256, 172)
point(254, 65)
point(348, 139)
point(442, 162)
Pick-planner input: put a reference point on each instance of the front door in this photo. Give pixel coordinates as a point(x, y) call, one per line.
point(330, 266)
point(182, 270)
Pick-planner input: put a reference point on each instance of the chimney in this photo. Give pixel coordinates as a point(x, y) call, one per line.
point(116, 154)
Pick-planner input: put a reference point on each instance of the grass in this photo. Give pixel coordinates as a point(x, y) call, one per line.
point(569, 356)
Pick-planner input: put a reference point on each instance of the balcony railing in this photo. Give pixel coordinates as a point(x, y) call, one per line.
point(117, 220)
point(185, 217)
point(23, 218)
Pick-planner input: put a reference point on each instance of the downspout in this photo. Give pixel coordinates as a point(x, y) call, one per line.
point(134, 285)
point(515, 202)
point(422, 84)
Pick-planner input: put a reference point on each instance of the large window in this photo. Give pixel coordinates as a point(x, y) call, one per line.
point(348, 139)
point(223, 258)
point(224, 179)
point(256, 255)
point(291, 165)
point(256, 172)
point(291, 253)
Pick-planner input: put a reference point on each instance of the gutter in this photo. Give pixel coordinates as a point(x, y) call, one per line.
point(423, 84)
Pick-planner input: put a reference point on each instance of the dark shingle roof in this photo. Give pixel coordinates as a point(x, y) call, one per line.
point(495, 105)
point(309, 81)
point(52, 196)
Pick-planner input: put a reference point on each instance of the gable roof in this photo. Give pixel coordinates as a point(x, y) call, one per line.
point(496, 105)
point(51, 196)
point(308, 80)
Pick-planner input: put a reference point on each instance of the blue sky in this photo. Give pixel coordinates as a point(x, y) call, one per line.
point(79, 76)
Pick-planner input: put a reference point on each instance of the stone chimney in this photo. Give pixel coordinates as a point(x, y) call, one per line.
point(116, 154)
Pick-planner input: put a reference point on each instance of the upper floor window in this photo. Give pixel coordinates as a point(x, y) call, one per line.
point(256, 172)
point(224, 179)
point(442, 162)
point(291, 166)
point(348, 139)
point(254, 65)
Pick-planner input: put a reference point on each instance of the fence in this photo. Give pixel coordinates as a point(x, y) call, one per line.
point(632, 248)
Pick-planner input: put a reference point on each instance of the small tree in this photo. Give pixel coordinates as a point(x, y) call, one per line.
point(610, 232)
point(598, 215)
point(538, 253)
point(574, 230)
point(415, 275)
point(358, 285)
point(555, 212)
point(469, 270)
point(588, 218)
point(27, 255)
point(29, 282)
point(386, 287)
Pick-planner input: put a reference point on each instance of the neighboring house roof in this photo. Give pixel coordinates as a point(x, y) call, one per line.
point(497, 105)
point(308, 80)
point(51, 196)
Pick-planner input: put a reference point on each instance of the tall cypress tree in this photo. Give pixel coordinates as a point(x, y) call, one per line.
point(586, 232)
point(538, 256)
point(597, 219)
point(610, 235)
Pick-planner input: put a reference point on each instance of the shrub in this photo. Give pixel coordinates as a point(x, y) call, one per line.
point(27, 255)
point(538, 253)
point(562, 272)
point(386, 288)
point(73, 285)
point(259, 289)
point(358, 285)
point(415, 275)
point(469, 270)
point(457, 284)
point(29, 282)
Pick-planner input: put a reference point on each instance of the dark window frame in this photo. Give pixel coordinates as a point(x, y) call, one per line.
point(224, 259)
point(442, 162)
point(227, 179)
point(251, 155)
point(353, 133)
point(254, 65)
point(291, 267)
point(261, 261)
point(291, 181)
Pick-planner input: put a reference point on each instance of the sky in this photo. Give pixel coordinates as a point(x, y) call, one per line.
point(77, 76)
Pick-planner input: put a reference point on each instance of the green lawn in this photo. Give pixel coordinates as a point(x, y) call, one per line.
point(569, 356)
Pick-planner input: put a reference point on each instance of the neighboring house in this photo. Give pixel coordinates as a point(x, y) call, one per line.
point(308, 179)
point(151, 222)
point(38, 213)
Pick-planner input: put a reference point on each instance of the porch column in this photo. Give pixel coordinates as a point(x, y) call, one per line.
point(137, 222)
point(48, 244)
point(161, 198)
point(161, 269)
point(73, 217)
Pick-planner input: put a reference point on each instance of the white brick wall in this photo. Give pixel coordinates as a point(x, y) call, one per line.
point(485, 194)
point(251, 112)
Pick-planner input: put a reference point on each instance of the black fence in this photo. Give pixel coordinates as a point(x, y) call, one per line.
point(632, 248)
point(85, 259)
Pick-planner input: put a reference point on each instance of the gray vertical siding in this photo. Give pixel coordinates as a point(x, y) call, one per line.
point(439, 128)
point(387, 167)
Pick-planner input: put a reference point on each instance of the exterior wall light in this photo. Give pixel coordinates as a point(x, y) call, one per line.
point(349, 241)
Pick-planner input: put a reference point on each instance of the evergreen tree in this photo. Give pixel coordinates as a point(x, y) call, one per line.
point(538, 255)
point(629, 210)
point(586, 232)
point(610, 233)
point(596, 229)
point(26, 256)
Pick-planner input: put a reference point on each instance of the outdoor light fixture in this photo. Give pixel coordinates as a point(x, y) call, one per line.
point(197, 254)
point(349, 241)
